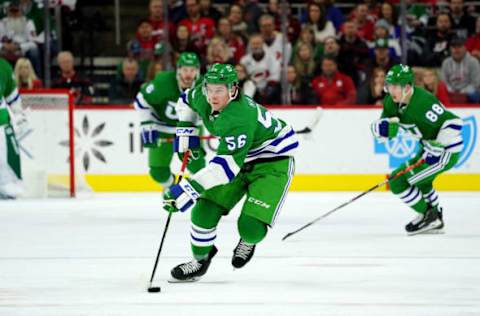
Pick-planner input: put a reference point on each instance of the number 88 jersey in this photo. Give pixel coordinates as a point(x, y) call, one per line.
point(426, 118)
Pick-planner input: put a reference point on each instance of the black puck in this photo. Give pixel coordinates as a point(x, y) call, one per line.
point(154, 289)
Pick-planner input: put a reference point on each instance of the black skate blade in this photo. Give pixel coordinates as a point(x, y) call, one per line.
point(428, 229)
point(191, 280)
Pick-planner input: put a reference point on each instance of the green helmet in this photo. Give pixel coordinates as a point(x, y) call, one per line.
point(400, 74)
point(222, 74)
point(188, 59)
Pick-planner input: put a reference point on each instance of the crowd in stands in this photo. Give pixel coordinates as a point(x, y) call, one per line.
point(334, 56)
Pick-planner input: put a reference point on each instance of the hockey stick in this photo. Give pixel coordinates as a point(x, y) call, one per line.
point(306, 130)
point(151, 288)
point(310, 127)
point(356, 198)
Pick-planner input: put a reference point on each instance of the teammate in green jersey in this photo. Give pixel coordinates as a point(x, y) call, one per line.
point(421, 114)
point(156, 105)
point(12, 121)
point(254, 159)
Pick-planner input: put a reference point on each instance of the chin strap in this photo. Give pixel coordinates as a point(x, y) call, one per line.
point(232, 96)
point(404, 94)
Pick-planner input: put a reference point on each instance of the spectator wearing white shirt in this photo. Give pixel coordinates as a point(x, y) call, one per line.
point(317, 19)
point(17, 34)
point(264, 71)
point(272, 39)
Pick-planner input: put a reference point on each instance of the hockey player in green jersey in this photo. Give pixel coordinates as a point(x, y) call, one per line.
point(421, 114)
point(254, 159)
point(155, 104)
point(12, 121)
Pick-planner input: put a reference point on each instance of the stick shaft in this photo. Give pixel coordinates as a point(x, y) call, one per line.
point(177, 180)
point(408, 169)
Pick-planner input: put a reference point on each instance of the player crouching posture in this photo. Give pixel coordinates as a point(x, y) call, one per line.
point(254, 158)
point(420, 113)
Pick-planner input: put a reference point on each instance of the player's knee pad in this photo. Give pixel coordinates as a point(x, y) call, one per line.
point(206, 214)
point(398, 185)
point(251, 229)
point(161, 175)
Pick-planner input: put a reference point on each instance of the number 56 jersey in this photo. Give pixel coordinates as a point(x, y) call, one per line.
point(426, 118)
point(247, 131)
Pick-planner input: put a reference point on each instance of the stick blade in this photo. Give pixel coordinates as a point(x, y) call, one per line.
point(153, 289)
point(286, 236)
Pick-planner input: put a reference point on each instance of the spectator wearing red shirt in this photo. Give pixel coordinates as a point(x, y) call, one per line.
point(234, 41)
point(334, 87)
point(432, 83)
point(473, 42)
point(202, 29)
point(156, 20)
point(142, 47)
point(365, 27)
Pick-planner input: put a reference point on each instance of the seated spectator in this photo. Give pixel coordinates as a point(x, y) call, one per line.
point(332, 87)
point(382, 57)
point(417, 14)
point(389, 14)
point(273, 40)
point(382, 30)
point(252, 12)
point(473, 42)
point(293, 25)
point(182, 42)
point(353, 54)
point(142, 47)
point(206, 10)
point(304, 63)
point(364, 25)
point(17, 34)
point(333, 13)
point(299, 90)
point(239, 26)
point(372, 92)
point(307, 36)
point(264, 70)
point(317, 20)
point(125, 87)
point(463, 24)
point(244, 82)
point(68, 78)
point(201, 28)
point(25, 76)
point(35, 12)
point(156, 21)
point(461, 73)
point(218, 52)
point(234, 41)
point(373, 9)
point(432, 83)
point(153, 69)
point(438, 42)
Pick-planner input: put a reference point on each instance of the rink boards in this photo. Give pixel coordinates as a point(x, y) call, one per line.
point(339, 155)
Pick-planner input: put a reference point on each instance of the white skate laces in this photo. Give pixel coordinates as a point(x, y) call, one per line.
point(243, 250)
point(191, 267)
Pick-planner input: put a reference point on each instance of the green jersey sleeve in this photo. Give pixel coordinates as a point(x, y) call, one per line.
point(8, 85)
point(156, 100)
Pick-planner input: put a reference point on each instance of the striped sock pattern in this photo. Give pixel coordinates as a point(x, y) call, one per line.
point(411, 196)
point(431, 198)
point(203, 237)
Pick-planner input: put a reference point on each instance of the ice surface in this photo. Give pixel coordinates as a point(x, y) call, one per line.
point(94, 257)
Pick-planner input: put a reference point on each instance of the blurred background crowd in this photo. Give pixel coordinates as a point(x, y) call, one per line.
point(285, 52)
